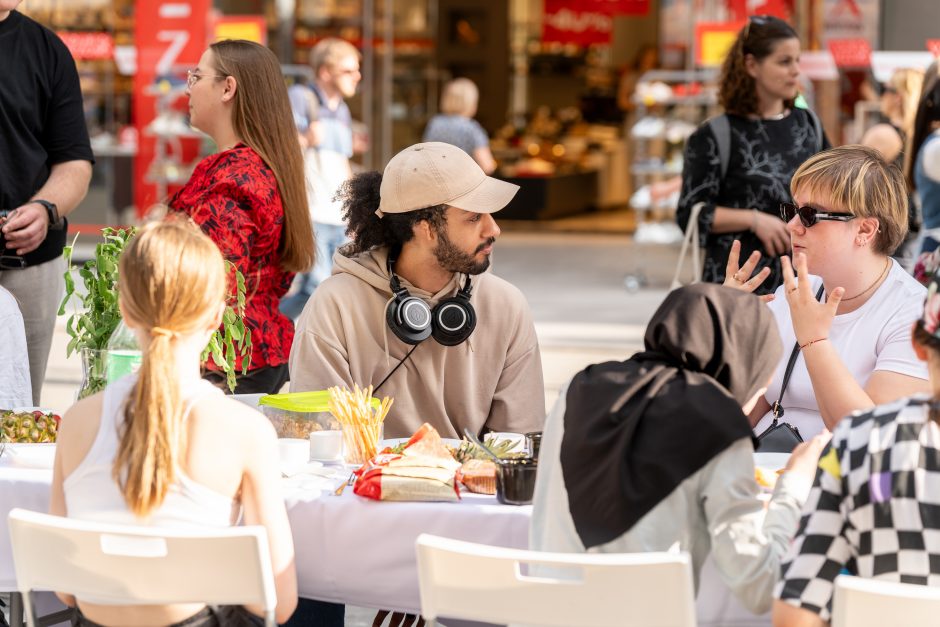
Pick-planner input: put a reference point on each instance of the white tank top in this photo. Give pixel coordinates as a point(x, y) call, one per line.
point(91, 493)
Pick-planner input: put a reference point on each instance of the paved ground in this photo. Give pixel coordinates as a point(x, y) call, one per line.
point(575, 286)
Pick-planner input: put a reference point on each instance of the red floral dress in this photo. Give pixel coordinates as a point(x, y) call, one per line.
point(233, 197)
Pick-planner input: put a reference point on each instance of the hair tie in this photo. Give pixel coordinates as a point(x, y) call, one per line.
point(163, 332)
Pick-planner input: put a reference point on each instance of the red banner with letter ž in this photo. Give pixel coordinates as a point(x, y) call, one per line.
point(169, 34)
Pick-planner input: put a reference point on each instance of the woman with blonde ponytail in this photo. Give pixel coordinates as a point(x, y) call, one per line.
point(250, 197)
point(164, 447)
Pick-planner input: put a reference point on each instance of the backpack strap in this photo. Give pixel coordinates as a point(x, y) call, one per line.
point(817, 126)
point(721, 129)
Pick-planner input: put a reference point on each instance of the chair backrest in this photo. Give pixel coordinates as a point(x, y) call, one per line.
point(861, 602)
point(128, 565)
point(470, 581)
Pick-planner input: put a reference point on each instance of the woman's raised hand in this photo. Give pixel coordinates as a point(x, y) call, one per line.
point(811, 318)
point(739, 277)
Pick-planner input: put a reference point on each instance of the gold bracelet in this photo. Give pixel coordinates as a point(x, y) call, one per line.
point(822, 339)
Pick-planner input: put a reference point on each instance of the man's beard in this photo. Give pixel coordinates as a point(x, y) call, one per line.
point(453, 259)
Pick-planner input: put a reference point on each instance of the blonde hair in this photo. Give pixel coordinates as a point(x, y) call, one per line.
point(262, 118)
point(908, 82)
point(172, 282)
point(329, 51)
point(856, 179)
point(460, 97)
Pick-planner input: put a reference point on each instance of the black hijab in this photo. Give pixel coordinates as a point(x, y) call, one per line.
point(634, 430)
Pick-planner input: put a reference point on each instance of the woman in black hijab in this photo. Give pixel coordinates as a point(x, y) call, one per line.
point(655, 453)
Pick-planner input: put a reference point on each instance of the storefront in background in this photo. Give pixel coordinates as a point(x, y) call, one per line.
point(551, 74)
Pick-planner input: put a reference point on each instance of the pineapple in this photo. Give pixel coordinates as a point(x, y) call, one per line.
point(28, 427)
point(468, 450)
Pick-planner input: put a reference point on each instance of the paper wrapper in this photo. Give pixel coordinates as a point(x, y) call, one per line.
point(390, 477)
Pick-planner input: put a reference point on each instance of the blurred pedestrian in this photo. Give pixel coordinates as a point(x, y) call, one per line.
point(922, 159)
point(45, 168)
point(325, 125)
point(898, 104)
point(455, 124)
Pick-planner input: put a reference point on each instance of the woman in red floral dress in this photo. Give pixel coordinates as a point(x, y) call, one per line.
point(249, 198)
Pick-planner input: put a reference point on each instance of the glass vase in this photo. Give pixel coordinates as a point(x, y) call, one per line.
point(93, 371)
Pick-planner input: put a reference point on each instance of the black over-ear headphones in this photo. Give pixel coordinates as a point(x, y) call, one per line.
point(412, 320)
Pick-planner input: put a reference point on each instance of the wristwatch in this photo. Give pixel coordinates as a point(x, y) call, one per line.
point(55, 222)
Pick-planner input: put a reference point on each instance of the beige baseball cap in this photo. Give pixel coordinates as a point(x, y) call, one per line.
point(435, 173)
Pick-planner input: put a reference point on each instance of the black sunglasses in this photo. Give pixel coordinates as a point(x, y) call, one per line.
point(809, 216)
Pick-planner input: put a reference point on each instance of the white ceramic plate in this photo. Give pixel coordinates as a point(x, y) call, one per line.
point(771, 461)
point(29, 455)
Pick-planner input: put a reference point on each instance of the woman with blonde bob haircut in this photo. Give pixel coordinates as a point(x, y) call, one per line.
point(849, 316)
point(163, 447)
point(250, 197)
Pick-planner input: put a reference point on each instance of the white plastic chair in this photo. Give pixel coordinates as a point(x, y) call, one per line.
point(861, 602)
point(126, 565)
point(469, 581)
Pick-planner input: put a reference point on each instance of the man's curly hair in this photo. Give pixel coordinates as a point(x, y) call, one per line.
point(737, 92)
point(360, 197)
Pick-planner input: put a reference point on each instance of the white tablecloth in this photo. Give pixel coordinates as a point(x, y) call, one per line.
point(361, 552)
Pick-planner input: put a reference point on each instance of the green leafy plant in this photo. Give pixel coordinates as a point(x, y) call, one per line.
point(92, 325)
point(234, 338)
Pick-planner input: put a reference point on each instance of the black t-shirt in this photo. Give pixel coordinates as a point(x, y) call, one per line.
point(42, 121)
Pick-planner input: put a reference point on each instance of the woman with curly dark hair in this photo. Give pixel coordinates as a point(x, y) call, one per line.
point(738, 166)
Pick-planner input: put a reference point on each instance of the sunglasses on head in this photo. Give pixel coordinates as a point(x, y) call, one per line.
point(809, 216)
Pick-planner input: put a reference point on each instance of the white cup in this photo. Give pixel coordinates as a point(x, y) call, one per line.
point(326, 445)
point(293, 452)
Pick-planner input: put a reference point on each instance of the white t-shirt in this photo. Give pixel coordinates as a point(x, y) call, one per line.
point(876, 336)
point(15, 388)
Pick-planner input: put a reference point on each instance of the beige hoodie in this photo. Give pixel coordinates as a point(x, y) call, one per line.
point(493, 380)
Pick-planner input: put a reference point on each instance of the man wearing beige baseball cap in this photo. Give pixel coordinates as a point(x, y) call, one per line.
point(411, 310)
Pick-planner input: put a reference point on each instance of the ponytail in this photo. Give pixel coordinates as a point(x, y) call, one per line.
point(151, 438)
point(172, 282)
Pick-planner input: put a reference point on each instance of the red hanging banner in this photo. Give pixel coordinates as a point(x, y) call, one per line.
point(169, 35)
point(585, 22)
point(851, 53)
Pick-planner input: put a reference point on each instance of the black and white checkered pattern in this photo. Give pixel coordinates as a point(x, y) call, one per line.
point(874, 509)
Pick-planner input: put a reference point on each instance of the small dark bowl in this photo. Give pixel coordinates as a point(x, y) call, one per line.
point(533, 442)
point(515, 480)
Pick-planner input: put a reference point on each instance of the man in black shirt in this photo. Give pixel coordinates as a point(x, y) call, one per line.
point(45, 168)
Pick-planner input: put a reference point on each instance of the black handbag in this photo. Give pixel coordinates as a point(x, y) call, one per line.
point(782, 437)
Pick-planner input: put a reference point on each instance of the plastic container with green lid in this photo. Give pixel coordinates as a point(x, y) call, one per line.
point(296, 414)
